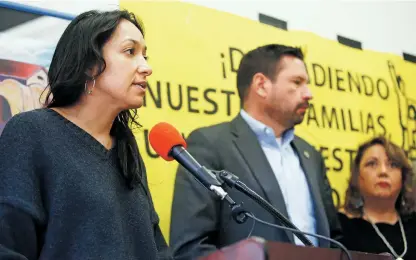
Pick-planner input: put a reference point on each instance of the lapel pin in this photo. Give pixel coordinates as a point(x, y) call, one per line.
point(306, 154)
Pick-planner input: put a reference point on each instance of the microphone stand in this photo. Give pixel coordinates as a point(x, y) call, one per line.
point(233, 182)
point(238, 213)
point(207, 179)
point(214, 183)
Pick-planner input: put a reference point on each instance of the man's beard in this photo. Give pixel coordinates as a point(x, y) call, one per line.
point(287, 119)
point(299, 119)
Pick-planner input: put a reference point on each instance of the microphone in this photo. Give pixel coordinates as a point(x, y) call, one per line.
point(169, 144)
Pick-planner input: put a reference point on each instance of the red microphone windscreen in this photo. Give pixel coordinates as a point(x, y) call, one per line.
point(163, 137)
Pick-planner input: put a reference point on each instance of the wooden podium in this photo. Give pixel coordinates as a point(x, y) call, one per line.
point(259, 249)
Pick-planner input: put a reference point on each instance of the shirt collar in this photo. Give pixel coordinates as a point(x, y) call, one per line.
point(261, 130)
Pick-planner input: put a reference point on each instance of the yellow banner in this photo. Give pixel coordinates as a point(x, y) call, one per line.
point(195, 52)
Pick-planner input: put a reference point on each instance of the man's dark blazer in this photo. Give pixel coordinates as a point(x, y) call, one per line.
point(200, 223)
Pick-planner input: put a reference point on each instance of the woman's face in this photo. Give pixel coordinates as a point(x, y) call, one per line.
point(379, 176)
point(126, 71)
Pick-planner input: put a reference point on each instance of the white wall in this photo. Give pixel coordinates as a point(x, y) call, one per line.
point(385, 25)
point(71, 6)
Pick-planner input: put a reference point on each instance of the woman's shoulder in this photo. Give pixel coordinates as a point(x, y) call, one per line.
point(342, 213)
point(26, 123)
point(31, 116)
point(410, 218)
point(34, 117)
point(347, 218)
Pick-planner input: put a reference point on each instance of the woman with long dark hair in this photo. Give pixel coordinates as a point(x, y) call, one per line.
point(73, 184)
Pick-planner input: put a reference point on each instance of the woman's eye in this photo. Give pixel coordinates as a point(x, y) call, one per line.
point(130, 51)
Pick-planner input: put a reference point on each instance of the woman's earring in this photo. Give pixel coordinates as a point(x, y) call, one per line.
point(89, 91)
point(359, 203)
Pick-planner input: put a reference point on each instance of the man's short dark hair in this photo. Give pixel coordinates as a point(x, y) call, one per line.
point(264, 59)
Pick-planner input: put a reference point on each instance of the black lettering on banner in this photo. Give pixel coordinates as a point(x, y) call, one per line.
point(211, 101)
point(337, 159)
point(337, 200)
point(380, 121)
point(351, 154)
point(192, 99)
point(330, 77)
point(354, 81)
point(309, 77)
point(335, 154)
point(368, 85)
point(147, 145)
point(413, 140)
point(344, 125)
point(353, 129)
point(381, 83)
point(370, 124)
point(228, 100)
point(315, 67)
point(311, 115)
point(175, 107)
point(361, 121)
point(224, 74)
point(339, 80)
point(344, 120)
point(329, 120)
point(157, 100)
point(235, 58)
point(347, 81)
point(411, 112)
point(323, 151)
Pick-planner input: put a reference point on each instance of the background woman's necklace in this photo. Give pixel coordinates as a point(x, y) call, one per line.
point(397, 256)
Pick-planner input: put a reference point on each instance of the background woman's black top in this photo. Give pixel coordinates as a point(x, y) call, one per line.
point(359, 235)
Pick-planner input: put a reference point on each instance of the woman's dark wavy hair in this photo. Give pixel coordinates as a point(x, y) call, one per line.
point(405, 203)
point(78, 51)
